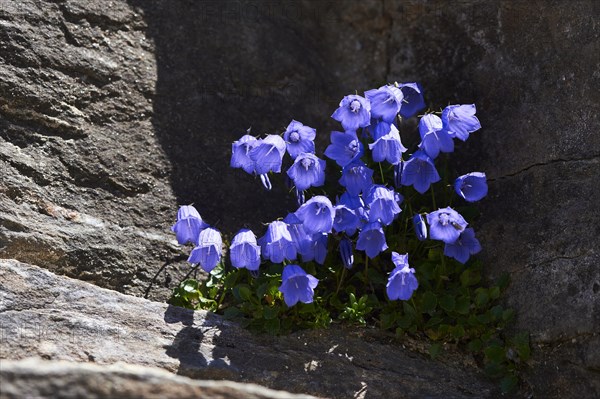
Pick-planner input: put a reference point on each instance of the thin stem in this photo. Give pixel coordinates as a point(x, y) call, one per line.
point(433, 198)
point(381, 171)
point(339, 285)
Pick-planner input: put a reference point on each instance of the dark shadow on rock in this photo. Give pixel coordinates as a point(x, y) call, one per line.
point(223, 67)
point(176, 314)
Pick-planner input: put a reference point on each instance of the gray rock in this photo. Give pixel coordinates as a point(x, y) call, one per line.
point(56, 318)
point(51, 379)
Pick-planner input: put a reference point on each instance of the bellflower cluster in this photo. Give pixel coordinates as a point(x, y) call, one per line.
point(364, 217)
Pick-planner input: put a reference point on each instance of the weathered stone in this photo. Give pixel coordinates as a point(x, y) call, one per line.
point(55, 318)
point(50, 379)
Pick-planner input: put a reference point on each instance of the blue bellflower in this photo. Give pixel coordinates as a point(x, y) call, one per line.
point(356, 178)
point(267, 154)
point(420, 226)
point(445, 225)
point(189, 225)
point(465, 246)
point(419, 172)
point(301, 240)
point(413, 99)
point(307, 171)
point(353, 202)
point(345, 220)
point(277, 243)
point(344, 148)
point(371, 239)
point(208, 250)
point(315, 249)
point(460, 120)
point(240, 151)
point(379, 129)
point(388, 147)
point(385, 102)
point(317, 215)
point(383, 204)
point(354, 112)
point(297, 285)
point(433, 138)
point(299, 138)
point(472, 186)
point(402, 281)
point(346, 253)
point(244, 251)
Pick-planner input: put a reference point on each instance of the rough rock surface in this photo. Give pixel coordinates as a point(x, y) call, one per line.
point(33, 378)
point(112, 115)
point(56, 318)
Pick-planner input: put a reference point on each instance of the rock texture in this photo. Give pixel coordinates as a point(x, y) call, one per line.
point(51, 379)
point(110, 116)
point(56, 318)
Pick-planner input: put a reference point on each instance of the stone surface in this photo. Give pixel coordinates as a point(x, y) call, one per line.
point(111, 116)
point(50, 379)
point(56, 318)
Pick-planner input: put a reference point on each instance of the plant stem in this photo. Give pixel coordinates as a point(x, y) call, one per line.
point(381, 171)
point(433, 198)
point(339, 285)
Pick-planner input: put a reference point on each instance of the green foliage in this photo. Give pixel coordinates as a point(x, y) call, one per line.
point(452, 306)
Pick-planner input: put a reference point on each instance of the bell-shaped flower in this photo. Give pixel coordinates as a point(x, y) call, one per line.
point(315, 249)
point(460, 120)
point(354, 112)
point(276, 244)
point(371, 239)
point(244, 251)
point(307, 171)
point(379, 129)
point(208, 250)
point(385, 102)
point(240, 153)
point(344, 148)
point(189, 225)
point(419, 172)
point(472, 186)
point(267, 154)
point(346, 220)
point(420, 226)
point(445, 225)
point(353, 202)
point(299, 138)
point(297, 285)
point(301, 240)
point(433, 138)
point(388, 147)
point(346, 253)
point(383, 204)
point(413, 99)
point(317, 215)
point(402, 281)
point(465, 246)
point(356, 178)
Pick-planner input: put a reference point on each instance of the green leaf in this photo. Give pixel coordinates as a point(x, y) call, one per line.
point(434, 321)
point(429, 302)
point(270, 312)
point(509, 383)
point(435, 350)
point(463, 305)
point(475, 345)
point(243, 292)
point(508, 314)
point(495, 292)
point(521, 344)
point(481, 297)
point(458, 331)
point(470, 277)
point(503, 281)
point(495, 353)
point(272, 326)
point(447, 303)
